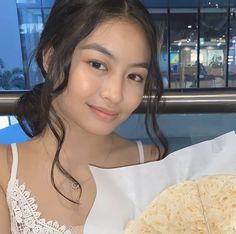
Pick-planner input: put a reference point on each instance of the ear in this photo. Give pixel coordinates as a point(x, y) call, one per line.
point(46, 58)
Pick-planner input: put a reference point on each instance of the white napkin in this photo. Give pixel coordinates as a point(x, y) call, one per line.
point(123, 193)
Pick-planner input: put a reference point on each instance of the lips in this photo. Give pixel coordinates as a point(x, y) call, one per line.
point(103, 113)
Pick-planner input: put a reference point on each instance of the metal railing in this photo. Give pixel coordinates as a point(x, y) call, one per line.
point(179, 101)
point(197, 101)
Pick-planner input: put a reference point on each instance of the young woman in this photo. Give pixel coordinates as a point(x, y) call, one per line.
point(98, 58)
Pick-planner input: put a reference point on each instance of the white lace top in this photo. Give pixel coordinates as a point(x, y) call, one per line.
point(24, 213)
point(25, 217)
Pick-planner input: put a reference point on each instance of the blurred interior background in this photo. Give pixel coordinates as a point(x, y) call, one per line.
point(198, 55)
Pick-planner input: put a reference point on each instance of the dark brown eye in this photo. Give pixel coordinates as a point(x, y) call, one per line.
point(97, 65)
point(136, 77)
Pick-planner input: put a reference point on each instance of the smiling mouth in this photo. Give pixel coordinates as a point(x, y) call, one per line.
point(103, 113)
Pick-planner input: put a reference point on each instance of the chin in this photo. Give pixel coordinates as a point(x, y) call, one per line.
point(102, 130)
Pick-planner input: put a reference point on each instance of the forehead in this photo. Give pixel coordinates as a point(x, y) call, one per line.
point(120, 36)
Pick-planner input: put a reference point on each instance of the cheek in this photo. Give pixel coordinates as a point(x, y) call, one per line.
point(80, 88)
point(81, 84)
point(134, 98)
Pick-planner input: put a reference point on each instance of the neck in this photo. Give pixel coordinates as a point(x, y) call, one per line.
point(79, 147)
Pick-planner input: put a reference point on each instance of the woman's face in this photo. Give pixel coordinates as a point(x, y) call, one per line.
point(107, 77)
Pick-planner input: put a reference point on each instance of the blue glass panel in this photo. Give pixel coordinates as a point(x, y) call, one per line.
point(233, 3)
point(183, 47)
point(160, 18)
point(170, 3)
point(213, 46)
point(11, 67)
point(28, 3)
point(183, 3)
point(46, 12)
point(232, 50)
point(214, 3)
point(155, 3)
point(47, 3)
point(31, 25)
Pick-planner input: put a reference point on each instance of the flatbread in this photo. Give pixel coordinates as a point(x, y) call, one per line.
point(218, 196)
point(203, 206)
point(140, 227)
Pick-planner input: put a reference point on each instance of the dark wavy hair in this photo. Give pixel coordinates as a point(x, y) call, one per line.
point(69, 22)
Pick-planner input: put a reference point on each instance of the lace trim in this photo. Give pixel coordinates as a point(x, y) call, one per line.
point(26, 217)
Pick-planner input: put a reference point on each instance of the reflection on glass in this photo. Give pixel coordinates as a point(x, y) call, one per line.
point(4, 122)
point(232, 50)
point(47, 3)
point(215, 3)
point(11, 79)
point(213, 31)
point(180, 65)
point(30, 28)
point(46, 12)
point(27, 1)
point(183, 47)
point(160, 19)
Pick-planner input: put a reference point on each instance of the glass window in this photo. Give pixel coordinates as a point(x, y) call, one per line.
point(183, 64)
point(214, 3)
point(160, 19)
point(232, 3)
point(183, 47)
point(213, 49)
point(31, 26)
point(46, 12)
point(47, 3)
point(183, 3)
point(27, 1)
point(11, 67)
point(232, 50)
point(4, 122)
point(155, 3)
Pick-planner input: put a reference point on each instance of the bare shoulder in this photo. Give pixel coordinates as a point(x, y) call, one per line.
point(5, 165)
point(4, 178)
point(3, 150)
point(152, 152)
point(6, 159)
point(127, 153)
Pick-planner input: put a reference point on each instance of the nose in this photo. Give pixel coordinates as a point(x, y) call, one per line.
point(112, 89)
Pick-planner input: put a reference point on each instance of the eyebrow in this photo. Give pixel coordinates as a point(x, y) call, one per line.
point(142, 65)
point(103, 50)
point(99, 48)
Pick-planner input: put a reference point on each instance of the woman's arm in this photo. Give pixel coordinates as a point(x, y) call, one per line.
point(4, 217)
point(153, 153)
point(4, 177)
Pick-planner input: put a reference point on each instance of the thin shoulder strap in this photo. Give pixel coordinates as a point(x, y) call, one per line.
point(14, 161)
point(141, 152)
